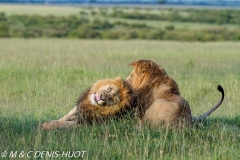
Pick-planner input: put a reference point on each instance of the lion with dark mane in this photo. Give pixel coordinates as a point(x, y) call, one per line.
point(160, 103)
point(108, 98)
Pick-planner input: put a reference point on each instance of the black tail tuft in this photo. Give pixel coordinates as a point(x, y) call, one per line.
point(221, 89)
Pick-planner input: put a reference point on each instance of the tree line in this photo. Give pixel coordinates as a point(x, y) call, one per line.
point(82, 27)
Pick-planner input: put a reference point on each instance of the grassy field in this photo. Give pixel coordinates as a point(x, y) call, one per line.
point(41, 79)
point(43, 10)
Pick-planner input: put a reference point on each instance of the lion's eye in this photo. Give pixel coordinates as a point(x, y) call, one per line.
point(109, 89)
point(110, 102)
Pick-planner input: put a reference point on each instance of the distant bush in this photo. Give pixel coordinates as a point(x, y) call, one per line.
point(94, 13)
point(102, 25)
point(131, 34)
point(111, 35)
point(192, 15)
point(84, 32)
point(132, 25)
point(156, 34)
point(135, 15)
point(32, 32)
point(74, 26)
point(169, 27)
point(4, 29)
point(2, 17)
point(83, 13)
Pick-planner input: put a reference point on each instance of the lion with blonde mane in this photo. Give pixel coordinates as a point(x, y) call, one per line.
point(108, 98)
point(159, 100)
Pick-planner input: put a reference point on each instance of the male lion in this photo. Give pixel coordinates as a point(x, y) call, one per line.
point(160, 103)
point(105, 99)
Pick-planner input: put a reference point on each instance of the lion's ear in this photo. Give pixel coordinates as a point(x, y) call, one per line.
point(144, 67)
point(133, 64)
point(118, 79)
point(141, 66)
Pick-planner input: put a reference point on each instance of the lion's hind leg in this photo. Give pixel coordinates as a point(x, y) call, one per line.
point(161, 113)
point(169, 114)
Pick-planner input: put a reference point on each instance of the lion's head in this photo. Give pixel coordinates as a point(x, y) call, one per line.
point(146, 74)
point(108, 92)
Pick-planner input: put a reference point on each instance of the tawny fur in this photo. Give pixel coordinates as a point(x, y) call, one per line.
point(159, 100)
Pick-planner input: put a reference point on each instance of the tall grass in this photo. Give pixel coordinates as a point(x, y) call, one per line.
point(40, 79)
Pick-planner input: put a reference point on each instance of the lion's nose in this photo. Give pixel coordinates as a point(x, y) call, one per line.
point(104, 97)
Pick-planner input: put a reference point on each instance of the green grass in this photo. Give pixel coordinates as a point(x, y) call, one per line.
point(40, 79)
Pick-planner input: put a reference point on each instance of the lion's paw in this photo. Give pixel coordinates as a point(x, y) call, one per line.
point(49, 125)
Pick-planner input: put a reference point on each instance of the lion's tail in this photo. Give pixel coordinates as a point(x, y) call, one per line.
point(205, 115)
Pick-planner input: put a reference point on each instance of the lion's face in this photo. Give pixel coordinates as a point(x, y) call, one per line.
point(134, 79)
point(105, 93)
